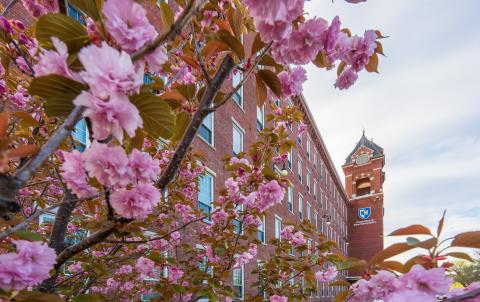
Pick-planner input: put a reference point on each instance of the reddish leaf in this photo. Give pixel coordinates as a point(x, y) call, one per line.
point(427, 244)
point(341, 296)
point(4, 117)
point(372, 65)
point(321, 60)
point(341, 68)
point(271, 80)
point(222, 24)
point(468, 239)
point(23, 151)
point(346, 31)
point(212, 47)
point(190, 61)
point(261, 91)
point(390, 251)
point(379, 48)
point(415, 229)
point(460, 255)
point(411, 262)
point(393, 265)
point(257, 44)
point(232, 42)
point(440, 224)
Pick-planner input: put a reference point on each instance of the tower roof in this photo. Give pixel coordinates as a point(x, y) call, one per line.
point(365, 142)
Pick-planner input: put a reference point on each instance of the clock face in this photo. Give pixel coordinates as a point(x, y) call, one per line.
point(362, 159)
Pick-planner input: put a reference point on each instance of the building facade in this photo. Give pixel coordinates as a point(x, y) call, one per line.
point(317, 194)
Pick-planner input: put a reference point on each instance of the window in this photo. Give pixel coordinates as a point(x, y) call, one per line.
point(278, 227)
point(308, 148)
point(238, 96)
point(278, 103)
point(237, 223)
point(315, 159)
point(206, 129)
point(76, 14)
point(261, 231)
point(260, 118)
point(309, 210)
point(362, 187)
point(80, 135)
point(315, 217)
point(309, 246)
point(290, 199)
point(46, 218)
point(238, 282)
point(289, 159)
point(300, 140)
point(205, 193)
point(300, 206)
point(237, 139)
point(299, 170)
point(308, 182)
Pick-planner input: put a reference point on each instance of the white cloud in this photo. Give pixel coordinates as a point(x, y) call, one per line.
point(423, 108)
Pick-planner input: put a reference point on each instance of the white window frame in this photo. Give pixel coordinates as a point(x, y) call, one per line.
point(242, 270)
point(308, 181)
point(309, 212)
point(212, 174)
point(212, 144)
point(300, 206)
point(290, 160)
point(315, 189)
point(240, 91)
point(278, 228)
point(262, 122)
point(291, 207)
point(308, 147)
point(236, 127)
point(261, 228)
point(300, 169)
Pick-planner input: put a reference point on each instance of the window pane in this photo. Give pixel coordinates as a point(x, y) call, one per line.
point(237, 140)
point(238, 96)
point(206, 129)
point(205, 193)
point(259, 118)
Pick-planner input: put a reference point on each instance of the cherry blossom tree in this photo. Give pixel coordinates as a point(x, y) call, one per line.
point(126, 217)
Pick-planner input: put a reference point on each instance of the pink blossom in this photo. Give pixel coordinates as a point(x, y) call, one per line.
point(20, 98)
point(298, 239)
point(273, 19)
point(207, 17)
point(34, 8)
point(54, 61)
point(3, 87)
point(346, 79)
point(144, 266)
point(219, 216)
point(246, 257)
point(127, 22)
point(75, 268)
point(109, 165)
point(292, 81)
point(287, 233)
point(234, 161)
point(74, 175)
point(137, 202)
point(143, 167)
point(331, 36)
point(232, 186)
point(22, 64)
point(326, 276)
point(277, 298)
point(6, 25)
point(156, 59)
point(186, 212)
point(29, 266)
point(406, 295)
point(359, 50)
point(432, 281)
point(19, 24)
point(174, 274)
point(383, 283)
point(269, 194)
point(124, 269)
point(175, 236)
point(113, 116)
point(302, 128)
point(303, 45)
point(108, 70)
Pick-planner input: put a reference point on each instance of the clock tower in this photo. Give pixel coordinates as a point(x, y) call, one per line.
point(364, 179)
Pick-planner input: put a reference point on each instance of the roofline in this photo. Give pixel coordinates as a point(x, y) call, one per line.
point(306, 109)
point(373, 158)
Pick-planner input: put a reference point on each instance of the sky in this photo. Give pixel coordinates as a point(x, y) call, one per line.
point(423, 107)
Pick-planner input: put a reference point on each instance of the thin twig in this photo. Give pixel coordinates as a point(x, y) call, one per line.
point(200, 60)
point(174, 30)
point(469, 295)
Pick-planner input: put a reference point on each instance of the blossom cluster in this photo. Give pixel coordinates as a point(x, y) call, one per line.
point(419, 284)
point(312, 38)
point(130, 177)
point(29, 266)
point(40, 7)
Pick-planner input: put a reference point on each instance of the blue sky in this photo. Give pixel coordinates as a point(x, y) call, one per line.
point(423, 108)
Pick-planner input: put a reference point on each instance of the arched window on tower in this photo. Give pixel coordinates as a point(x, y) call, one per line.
point(363, 187)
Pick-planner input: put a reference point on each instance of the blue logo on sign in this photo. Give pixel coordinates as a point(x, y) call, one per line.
point(364, 213)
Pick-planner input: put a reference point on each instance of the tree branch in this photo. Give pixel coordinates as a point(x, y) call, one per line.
point(469, 295)
point(203, 110)
point(174, 30)
point(8, 7)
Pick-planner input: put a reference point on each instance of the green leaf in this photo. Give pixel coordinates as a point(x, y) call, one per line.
point(88, 298)
point(181, 124)
point(271, 80)
point(167, 14)
point(232, 42)
point(91, 8)
point(63, 27)
point(157, 115)
point(27, 235)
point(58, 91)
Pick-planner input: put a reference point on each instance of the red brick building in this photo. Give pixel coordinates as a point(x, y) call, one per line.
point(364, 179)
point(317, 194)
